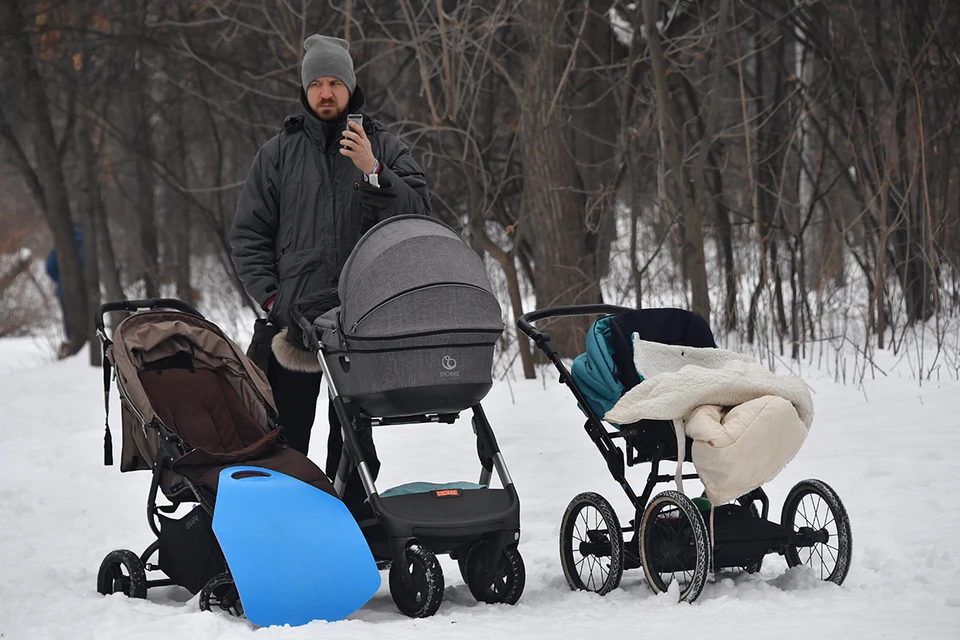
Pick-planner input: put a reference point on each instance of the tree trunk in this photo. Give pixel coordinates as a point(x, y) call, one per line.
point(49, 172)
point(179, 213)
point(142, 144)
point(725, 242)
point(565, 268)
point(635, 275)
point(516, 301)
point(88, 203)
point(694, 258)
point(109, 269)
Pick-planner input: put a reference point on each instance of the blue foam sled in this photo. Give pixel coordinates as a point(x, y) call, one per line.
point(296, 553)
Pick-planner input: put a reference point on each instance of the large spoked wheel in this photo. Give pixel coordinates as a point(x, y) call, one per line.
point(220, 594)
point(423, 596)
point(123, 572)
point(674, 545)
point(814, 511)
point(505, 584)
point(591, 544)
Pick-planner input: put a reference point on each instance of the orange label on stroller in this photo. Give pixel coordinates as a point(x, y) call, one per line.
point(447, 493)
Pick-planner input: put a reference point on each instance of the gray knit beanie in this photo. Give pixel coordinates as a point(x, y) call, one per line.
point(327, 56)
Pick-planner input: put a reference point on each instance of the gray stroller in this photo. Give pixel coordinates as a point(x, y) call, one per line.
point(412, 342)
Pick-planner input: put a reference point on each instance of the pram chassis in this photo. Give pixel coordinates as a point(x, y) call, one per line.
point(644, 445)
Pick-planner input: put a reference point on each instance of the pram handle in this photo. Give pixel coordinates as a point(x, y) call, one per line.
point(135, 305)
point(309, 334)
point(525, 322)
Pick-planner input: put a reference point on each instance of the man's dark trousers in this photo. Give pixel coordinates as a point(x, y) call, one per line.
point(296, 394)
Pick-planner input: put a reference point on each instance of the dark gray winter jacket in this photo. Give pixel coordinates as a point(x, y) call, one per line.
point(304, 206)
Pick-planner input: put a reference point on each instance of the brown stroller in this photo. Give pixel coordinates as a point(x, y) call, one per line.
point(191, 404)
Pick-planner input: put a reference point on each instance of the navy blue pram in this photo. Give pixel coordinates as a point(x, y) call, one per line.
point(675, 538)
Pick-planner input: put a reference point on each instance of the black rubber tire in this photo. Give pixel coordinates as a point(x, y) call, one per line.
point(604, 529)
point(424, 598)
point(220, 594)
point(838, 549)
point(122, 571)
point(462, 564)
point(508, 580)
point(662, 539)
point(756, 566)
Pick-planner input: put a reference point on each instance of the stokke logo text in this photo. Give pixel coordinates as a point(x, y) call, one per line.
point(449, 364)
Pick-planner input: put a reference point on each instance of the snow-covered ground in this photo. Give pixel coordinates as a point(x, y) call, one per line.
point(891, 450)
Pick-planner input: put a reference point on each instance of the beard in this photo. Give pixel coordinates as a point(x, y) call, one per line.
point(328, 111)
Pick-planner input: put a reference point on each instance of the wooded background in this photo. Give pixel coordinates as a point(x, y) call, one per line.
point(757, 160)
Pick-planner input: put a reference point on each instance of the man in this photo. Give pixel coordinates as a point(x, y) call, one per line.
point(311, 192)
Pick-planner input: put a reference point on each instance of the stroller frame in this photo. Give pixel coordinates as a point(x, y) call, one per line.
point(217, 592)
point(487, 528)
point(653, 441)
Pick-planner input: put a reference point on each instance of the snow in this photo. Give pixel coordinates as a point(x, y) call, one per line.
point(888, 447)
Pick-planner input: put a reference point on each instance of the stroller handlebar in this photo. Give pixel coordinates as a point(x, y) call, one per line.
point(309, 333)
point(525, 323)
point(135, 305)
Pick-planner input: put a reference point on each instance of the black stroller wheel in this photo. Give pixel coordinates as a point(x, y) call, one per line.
point(591, 544)
point(752, 508)
point(423, 596)
point(462, 564)
point(814, 507)
point(506, 583)
point(674, 545)
point(122, 571)
point(220, 592)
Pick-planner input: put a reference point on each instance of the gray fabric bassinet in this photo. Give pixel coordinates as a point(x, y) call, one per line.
point(416, 328)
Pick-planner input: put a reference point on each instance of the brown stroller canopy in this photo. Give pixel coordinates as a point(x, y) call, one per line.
point(147, 337)
point(182, 371)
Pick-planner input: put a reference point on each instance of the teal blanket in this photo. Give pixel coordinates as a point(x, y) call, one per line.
point(595, 372)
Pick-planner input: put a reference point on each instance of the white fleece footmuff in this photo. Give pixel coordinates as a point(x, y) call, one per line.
point(739, 450)
point(677, 380)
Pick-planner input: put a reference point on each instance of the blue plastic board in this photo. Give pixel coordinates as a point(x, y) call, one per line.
point(295, 553)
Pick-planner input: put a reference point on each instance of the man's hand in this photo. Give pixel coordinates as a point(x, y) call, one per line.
point(355, 145)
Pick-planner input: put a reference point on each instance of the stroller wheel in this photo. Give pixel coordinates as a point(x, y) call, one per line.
point(506, 582)
point(220, 592)
point(674, 545)
point(813, 507)
point(123, 572)
point(752, 508)
point(591, 544)
point(422, 595)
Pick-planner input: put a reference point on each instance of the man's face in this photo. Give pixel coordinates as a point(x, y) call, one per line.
point(328, 97)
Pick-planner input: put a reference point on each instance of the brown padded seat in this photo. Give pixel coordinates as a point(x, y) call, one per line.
point(203, 409)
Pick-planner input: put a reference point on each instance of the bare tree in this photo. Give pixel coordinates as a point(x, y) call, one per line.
point(45, 173)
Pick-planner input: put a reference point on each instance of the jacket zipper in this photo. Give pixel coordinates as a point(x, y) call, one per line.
point(333, 196)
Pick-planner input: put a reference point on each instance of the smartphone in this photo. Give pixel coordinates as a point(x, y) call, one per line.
point(355, 117)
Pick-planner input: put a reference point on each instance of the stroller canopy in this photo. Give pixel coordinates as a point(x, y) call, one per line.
point(145, 338)
point(606, 371)
point(413, 274)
